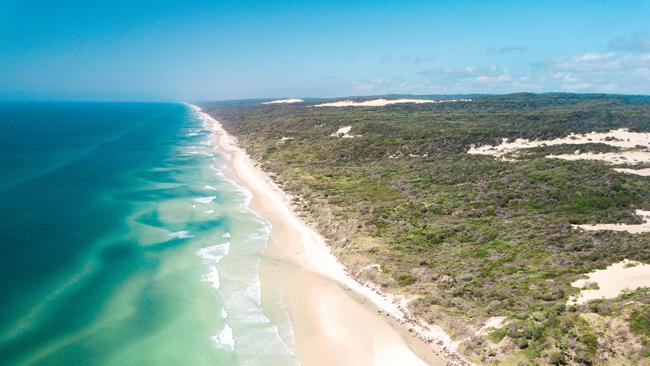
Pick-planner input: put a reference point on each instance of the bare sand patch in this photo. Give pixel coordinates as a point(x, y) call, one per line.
point(632, 229)
point(384, 102)
point(642, 172)
point(636, 145)
point(611, 281)
point(285, 101)
point(621, 157)
point(622, 138)
point(344, 132)
point(495, 322)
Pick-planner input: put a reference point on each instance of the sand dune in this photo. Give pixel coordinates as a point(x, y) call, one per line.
point(632, 229)
point(285, 101)
point(611, 281)
point(621, 157)
point(383, 102)
point(622, 138)
point(642, 172)
point(343, 131)
point(636, 145)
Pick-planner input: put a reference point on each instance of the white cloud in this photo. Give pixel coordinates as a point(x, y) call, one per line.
point(619, 72)
point(590, 61)
point(622, 67)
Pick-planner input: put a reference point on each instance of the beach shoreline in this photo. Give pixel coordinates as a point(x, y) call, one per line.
point(323, 300)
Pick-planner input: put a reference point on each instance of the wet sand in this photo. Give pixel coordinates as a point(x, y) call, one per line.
point(333, 323)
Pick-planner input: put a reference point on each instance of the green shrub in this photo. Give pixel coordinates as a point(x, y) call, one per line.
point(406, 279)
point(640, 321)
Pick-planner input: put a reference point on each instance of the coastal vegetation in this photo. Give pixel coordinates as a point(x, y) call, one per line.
point(467, 238)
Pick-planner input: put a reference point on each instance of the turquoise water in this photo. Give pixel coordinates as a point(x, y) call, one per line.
point(123, 243)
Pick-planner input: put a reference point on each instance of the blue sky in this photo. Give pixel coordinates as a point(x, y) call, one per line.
point(199, 50)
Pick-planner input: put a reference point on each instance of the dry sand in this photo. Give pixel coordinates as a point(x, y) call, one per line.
point(642, 172)
point(620, 276)
point(285, 101)
point(622, 138)
point(343, 131)
point(495, 322)
point(632, 229)
point(336, 320)
point(637, 145)
point(621, 157)
point(383, 102)
point(611, 281)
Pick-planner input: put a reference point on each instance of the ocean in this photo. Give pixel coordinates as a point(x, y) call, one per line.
point(123, 243)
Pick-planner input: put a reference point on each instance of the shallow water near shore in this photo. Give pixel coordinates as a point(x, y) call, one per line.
point(125, 244)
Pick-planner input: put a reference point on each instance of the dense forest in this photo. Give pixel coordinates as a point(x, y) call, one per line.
point(469, 237)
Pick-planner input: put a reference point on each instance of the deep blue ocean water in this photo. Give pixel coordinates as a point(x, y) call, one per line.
point(123, 243)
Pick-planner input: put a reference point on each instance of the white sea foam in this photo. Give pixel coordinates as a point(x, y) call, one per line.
point(254, 291)
point(209, 211)
point(247, 197)
point(214, 253)
point(195, 152)
point(257, 318)
point(183, 234)
point(225, 338)
point(209, 187)
point(242, 191)
point(273, 344)
point(261, 337)
point(212, 277)
point(207, 199)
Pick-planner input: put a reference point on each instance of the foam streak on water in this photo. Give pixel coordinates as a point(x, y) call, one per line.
point(233, 271)
point(124, 225)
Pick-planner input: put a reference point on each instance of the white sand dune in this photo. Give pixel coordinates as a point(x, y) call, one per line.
point(637, 145)
point(622, 138)
point(285, 101)
point(632, 229)
point(495, 322)
point(619, 157)
point(642, 172)
point(611, 281)
point(343, 132)
point(384, 102)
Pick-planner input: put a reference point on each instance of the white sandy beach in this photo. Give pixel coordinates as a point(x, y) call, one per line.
point(336, 320)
